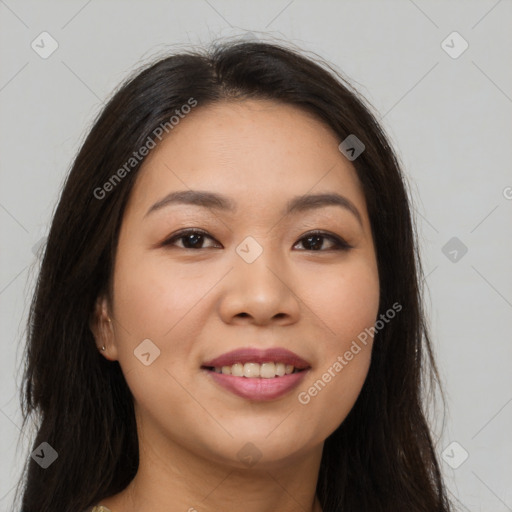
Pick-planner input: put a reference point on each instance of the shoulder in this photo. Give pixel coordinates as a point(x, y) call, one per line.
point(98, 508)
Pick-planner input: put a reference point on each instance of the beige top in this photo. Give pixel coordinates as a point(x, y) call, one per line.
point(100, 508)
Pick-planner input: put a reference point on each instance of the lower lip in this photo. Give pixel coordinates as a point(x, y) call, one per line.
point(256, 388)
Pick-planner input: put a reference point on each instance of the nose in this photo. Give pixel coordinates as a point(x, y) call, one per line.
point(259, 293)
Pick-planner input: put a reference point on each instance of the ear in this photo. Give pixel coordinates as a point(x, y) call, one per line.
point(101, 324)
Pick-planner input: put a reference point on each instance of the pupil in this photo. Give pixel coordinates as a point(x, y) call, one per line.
point(191, 238)
point(313, 237)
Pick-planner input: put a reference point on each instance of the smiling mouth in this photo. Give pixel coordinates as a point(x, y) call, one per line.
point(257, 382)
point(268, 370)
point(255, 374)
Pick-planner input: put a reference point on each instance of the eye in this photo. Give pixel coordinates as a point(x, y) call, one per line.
point(314, 240)
point(192, 239)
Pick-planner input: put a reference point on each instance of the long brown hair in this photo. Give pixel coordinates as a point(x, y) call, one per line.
point(382, 457)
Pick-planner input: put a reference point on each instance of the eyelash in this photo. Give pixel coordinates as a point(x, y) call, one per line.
point(339, 243)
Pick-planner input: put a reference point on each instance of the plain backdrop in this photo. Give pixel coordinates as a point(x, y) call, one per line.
point(445, 100)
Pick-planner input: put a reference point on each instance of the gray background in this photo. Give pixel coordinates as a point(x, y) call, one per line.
point(449, 118)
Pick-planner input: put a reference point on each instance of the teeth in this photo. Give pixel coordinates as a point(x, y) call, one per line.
point(254, 370)
point(268, 370)
point(237, 369)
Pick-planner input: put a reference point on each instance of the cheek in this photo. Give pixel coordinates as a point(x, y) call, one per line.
point(343, 302)
point(152, 299)
point(163, 304)
point(346, 307)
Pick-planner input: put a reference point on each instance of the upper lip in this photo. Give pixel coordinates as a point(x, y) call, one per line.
point(252, 355)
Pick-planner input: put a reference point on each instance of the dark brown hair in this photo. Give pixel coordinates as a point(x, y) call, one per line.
point(382, 457)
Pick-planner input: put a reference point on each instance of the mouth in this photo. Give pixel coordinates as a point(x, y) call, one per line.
point(258, 375)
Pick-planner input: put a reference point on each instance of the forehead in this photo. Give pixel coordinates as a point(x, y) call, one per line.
point(253, 150)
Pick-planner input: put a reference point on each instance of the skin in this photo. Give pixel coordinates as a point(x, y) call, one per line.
point(196, 304)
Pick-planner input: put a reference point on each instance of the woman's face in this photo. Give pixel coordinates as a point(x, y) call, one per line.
point(254, 277)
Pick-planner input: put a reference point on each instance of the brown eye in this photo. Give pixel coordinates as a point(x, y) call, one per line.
point(314, 241)
point(192, 239)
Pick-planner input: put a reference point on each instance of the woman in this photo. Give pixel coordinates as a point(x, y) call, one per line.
point(229, 310)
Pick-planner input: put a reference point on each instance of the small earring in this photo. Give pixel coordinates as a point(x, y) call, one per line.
point(103, 348)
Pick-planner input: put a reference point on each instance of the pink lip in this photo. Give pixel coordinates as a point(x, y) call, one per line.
point(257, 388)
point(252, 355)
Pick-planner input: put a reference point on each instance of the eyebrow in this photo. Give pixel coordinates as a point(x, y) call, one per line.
point(219, 202)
